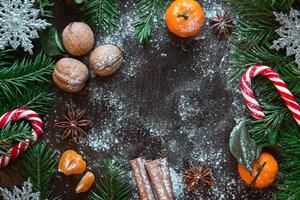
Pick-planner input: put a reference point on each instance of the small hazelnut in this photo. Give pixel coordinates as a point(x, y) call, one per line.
point(70, 75)
point(106, 59)
point(78, 38)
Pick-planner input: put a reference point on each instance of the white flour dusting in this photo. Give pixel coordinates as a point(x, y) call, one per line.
point(186, 123)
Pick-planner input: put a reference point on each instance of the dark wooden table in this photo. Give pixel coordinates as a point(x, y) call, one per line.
point(171, 98)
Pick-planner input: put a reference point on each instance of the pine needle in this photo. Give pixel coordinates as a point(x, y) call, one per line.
point(290, 167)
point(45, 7)
point(22, 74)
point(40, 166)
point(102, 15)
point(11, 134)
point(6, 58)
point(148, 12)
point(38, 98)
point(111, 186)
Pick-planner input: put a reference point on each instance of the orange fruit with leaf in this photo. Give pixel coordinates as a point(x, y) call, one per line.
point(185, 18)
point(264, 171)
point(71, 163)
point(85, 183)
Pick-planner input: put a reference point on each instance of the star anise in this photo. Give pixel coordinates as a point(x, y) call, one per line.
point(73, 124)
point(196, 176)
point(222, 24)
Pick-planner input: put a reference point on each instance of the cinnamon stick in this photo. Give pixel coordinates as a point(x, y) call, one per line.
point(142, 179)
point(156, 176)
point(166, 176)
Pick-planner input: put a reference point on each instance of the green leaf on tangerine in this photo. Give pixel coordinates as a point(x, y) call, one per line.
point(242, 146)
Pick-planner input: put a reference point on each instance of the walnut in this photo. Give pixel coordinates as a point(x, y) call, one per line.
point(106, 59)
point(78, 38)
point(70, 75)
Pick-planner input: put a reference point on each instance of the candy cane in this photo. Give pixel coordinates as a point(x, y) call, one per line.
point(272, 75)
point(36, 131)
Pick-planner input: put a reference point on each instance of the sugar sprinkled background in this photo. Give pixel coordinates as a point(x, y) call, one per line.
point(171, 98)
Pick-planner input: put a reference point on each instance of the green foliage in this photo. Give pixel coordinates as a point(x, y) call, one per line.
point(40, 166)
point(111, 186)
point(102, 15)
point(242, 146)
point(6, 58)
point(26, 83)
point(265, 132)
point(290, 166)
point(253, 37)
point(51, 42)
point(38, 99)
point(45, 7)
point(11, 134)
point(148, 11)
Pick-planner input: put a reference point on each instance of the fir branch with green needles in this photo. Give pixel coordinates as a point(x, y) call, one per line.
point(13, 133)
point(111, 186)
point(6, 58)
point(23, 74)
point(40, 166)
point(39, 99)
point(102, 15)
point(148, 12)
point(290, 167)
point(45, 7)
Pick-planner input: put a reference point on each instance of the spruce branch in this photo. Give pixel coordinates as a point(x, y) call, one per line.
point(45, 7)
point(252, 33)
point(40, 166)
point(149, 11)
point(37, 98)
point(266, 131)
point(11, 134)
point(290, 167)
point(6, 58)
point(102, 15)
point(257, 9)
point(22, 74)
point(111, 186)
point(243, 57)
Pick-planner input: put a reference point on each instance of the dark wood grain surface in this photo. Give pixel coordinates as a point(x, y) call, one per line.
point(176, 104)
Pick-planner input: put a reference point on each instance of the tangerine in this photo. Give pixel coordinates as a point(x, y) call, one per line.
point(264, 171)
point(71, 163)
point(85, 183)
point(185, 18)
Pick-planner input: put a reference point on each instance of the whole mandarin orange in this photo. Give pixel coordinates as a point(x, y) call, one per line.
point(185, 18)
point(265, 170)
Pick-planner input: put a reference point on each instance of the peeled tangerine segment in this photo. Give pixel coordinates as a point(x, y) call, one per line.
point(85, 183)
point(71, 163)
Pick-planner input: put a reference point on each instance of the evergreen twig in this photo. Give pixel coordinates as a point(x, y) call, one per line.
point(6, 58)
point(23, 74)
point(111, 186)
point(40, 166)
point(148, 12)
point(102, 15)
point(45, 7)
point(11, 134)
point(38, 99)
point(290, 166)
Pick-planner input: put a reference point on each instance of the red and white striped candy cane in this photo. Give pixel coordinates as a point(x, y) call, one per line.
point(272, 75)
point(36, 130)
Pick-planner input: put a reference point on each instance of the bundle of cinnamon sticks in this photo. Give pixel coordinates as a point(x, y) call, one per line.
point(153, 179)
